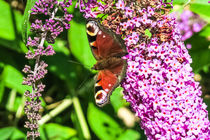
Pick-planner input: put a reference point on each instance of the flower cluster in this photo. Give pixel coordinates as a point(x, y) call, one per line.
point(46, 30)
point(159, 81)
point(189, 23)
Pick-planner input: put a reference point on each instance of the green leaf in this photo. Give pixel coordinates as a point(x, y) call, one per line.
point(17, 134)
point(60, 46)
point(201, 58)
point(102, 124)
point(116, 99)
point(6, 26)
point(200, 2)
point(6, 132)
point(130, 135)
point(76, 125)
point(10, 27)
point(26, 16)
point(199, 52)
point(12, 97)
point(205, 32)
point(180, 2)
point(59, 65)
point(148, 33)
point(12, 78)
point(17, 103)
point(201, 7)
point(79, 43)
point(75, 138)
point(56, 132)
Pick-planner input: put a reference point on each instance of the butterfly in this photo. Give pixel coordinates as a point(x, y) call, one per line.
point(108, 49)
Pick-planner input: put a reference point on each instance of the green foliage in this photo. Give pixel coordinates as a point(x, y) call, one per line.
point(11, 133)
point(12, 78)
point(26, 16)
point(106, 128)
point(200, 51)
point(181, 2)
point(117, 100)
point(201, 7)
point(102, 124)
point(148, 33)
point(10, 28)
point(48, 131)
point(70, 77)
point(79, 43)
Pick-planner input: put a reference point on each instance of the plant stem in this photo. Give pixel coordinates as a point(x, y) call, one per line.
point(81, 118)
point(66, 103)
point(11, 101)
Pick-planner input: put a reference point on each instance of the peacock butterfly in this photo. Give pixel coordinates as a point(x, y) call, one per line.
point(108, 49)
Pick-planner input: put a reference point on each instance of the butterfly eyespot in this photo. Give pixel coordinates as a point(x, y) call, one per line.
point(92, 28)
point(101, 97)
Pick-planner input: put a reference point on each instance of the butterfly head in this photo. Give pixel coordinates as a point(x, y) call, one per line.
point(92, 28)
point(101, 98)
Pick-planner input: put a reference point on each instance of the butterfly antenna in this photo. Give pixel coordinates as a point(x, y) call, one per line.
point(86, 85)
point(83, 82)
point(78, 63)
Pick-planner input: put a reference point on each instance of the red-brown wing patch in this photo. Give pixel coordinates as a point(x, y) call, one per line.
point(108, 44)
point(106, 82)
point(104, 43)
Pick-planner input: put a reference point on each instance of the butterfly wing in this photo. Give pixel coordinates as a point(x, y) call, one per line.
point(107, 80)
point(103, 42)
point(107, 48)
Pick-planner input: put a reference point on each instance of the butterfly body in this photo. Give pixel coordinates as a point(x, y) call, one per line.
point(108, 49)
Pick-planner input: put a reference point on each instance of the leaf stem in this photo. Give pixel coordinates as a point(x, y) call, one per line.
point(81, 118)
point(66, 103)
point(11, 101)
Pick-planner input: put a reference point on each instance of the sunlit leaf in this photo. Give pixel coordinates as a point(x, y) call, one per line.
point(17, 135)
point(116, 99)
point(129, 134)
point(60, 46)
point(201, 7)
point(6, 26)
point(6, 132)
point(102, 124)
point(205, 32)
point(79, 43)
point(10, 28)
point(13, 79)
point(56, 132)
point(148, 33)
point(26, 16)
point(180, 1)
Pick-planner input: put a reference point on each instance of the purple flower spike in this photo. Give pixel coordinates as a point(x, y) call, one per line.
point(159, 82)
point(46, 30)
point(189, 23)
